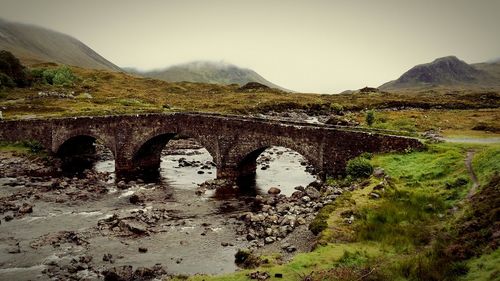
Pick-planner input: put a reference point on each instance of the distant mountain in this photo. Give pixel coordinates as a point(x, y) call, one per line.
point(33, 44)
point(207, 72)
point(446, 71)
point(492, 68)
point(497, 60)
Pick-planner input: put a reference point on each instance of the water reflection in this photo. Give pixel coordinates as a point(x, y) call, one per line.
point(276, 167)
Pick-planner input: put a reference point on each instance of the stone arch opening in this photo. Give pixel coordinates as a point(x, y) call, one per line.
point(84, 152)
point(275, 166)
point(185, 160)
point(160, 155)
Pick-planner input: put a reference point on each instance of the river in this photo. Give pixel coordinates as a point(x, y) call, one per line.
point(195, 235)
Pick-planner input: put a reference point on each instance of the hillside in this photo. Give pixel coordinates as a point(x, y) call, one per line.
point(33, 44)
point(208, 72)
point(447, 71)
point(492, 68)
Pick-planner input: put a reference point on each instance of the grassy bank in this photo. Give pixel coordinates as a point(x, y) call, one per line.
point(413, 231)
point(22, 147)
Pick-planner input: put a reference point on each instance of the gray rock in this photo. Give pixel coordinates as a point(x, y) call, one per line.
point(316, 184)
point(136, 199)
point(274, 191)
point(269, 240)
point(108, 257)
point(312, 192)
point(14, 249)
point(25, 208)
point(297, 195)
point(379, 186)
point(378, 172)
point(121, 185)
point(251, 236)
point(299, 188)
point(135, 227)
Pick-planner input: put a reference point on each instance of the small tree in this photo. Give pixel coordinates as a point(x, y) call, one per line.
point(370, 117)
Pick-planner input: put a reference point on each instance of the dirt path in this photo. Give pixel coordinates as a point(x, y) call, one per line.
point(475, 181)
point(473, 140)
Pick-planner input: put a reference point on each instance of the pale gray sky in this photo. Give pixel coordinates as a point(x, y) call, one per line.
point(309, 46)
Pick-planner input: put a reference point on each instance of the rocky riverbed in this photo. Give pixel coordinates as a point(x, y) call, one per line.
point(89, 226)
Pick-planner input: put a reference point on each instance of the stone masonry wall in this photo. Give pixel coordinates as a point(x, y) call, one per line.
point(229, 139)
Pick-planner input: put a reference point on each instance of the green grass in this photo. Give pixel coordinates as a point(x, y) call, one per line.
point(22, 147)
point(484, 268)
point(13, 147)
point(403, 220)
point(487, 162)
point(431, 168)
point(451, 123)
point(320, 259)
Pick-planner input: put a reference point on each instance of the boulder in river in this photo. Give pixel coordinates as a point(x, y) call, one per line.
point(25, 209)
point(274, 191)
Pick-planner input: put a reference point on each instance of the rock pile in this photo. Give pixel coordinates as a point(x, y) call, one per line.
point(278, 215)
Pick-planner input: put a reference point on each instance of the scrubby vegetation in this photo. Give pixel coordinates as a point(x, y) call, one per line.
point(370, 117)
point(23, 147)
point(320, 221)
point(60, 76)
point(12, 72)
point(422, 228)
point(102, 92)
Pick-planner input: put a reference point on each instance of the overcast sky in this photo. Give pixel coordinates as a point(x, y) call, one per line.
point(308, 46)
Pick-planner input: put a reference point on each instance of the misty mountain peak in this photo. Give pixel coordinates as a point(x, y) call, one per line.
point(215, 72)
point(448, 70)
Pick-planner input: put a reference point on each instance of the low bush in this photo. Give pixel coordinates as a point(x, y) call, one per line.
point(370, 117)
point(336, 108)
point(6, 81)
point(33, 146)
point(246, 259)
point(61, 76)
point(352, 259)
point(359, 167)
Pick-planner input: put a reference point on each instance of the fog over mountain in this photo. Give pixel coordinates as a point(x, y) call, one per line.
point(207, 72)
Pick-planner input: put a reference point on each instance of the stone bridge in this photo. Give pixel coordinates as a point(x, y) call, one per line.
point(234, 142)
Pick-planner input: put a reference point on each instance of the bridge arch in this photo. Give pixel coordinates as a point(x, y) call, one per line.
point(146, 154)
point(244, 156)
point(78, 151)
point(84, 136)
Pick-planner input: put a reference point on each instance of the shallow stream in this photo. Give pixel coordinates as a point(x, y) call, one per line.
point(189, 240)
